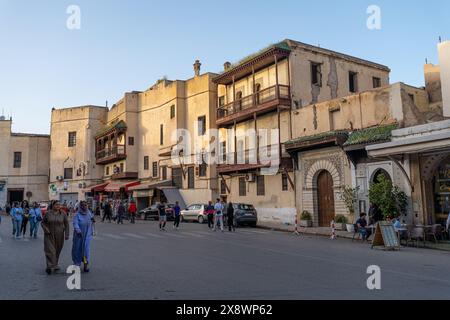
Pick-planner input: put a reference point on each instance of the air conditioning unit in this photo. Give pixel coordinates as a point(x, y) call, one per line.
point(250, 177)
point(59, 178)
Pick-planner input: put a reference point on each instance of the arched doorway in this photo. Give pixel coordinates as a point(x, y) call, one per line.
point(325, 198)
point(378, 174)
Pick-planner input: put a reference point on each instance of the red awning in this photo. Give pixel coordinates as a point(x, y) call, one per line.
point(98, 187)
point(116, 186)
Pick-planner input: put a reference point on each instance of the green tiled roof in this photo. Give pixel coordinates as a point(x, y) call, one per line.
point(117, 125)
point(319, 136)
point(370, 135)
point(281, 45)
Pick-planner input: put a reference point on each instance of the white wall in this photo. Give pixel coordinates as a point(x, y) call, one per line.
point(444, 63)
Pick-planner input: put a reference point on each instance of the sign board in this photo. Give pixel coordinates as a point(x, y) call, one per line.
point(385, 236)
point(143, 193)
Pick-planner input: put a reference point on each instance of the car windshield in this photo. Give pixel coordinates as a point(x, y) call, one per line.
point(243, 206)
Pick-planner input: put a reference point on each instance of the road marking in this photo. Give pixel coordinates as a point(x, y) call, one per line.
point(205, 232)
point(253, 232)
point(131, 235)
point(175, 235)
point(114, 236)
point(154, 235)
point(193, 234)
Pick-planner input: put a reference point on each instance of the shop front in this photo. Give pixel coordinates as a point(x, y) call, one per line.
point(423, 155)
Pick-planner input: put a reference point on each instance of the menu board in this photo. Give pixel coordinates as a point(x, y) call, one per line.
point(385, 236)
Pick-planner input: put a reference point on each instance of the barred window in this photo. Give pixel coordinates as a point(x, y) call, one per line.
point(260, 187)
point(72, 140)
point(242, 187)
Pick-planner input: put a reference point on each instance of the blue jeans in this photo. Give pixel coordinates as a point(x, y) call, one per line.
point(17, 226)
point(34, 227)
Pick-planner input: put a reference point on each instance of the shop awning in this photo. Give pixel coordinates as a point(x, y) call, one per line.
point(172, 195)
point(98, 187)
point(116, 186)
point(152, 185)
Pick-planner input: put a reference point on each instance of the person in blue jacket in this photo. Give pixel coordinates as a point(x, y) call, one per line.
point(17, 217)
point(35, 219)
point(83, 223)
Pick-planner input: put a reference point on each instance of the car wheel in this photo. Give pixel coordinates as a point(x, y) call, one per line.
point(201, 220)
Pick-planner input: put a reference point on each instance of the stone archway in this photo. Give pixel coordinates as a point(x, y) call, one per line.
point(325, 174)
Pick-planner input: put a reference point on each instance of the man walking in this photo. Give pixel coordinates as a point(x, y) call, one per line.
point(176, 211)
point(230, 217)
point(162, 216)
point(218, 207)
point(210, 214)
point(120, 213)
point(132, 211)
point(108, 211)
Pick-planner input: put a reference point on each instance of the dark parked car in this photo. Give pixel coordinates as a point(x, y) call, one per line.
point(244, 214)
point(152, 213)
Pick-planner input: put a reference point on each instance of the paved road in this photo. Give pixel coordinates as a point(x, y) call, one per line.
point(140, 262)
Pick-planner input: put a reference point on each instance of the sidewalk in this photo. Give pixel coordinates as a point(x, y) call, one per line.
point(326, 232)
point(312, 231)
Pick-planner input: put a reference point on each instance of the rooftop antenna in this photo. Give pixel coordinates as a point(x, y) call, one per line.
point(426, 60)
point(106, 103)
point(440, 39)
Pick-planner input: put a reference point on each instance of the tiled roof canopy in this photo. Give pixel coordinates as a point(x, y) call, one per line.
point(371, 135)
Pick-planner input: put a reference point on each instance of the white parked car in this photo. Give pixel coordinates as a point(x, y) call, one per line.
point(195, 212)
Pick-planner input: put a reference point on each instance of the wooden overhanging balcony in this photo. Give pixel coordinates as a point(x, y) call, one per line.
point(263, 101)
point(109, 155)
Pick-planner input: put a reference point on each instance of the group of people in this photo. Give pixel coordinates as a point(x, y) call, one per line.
point(21, 214)
point(55, 225)
point(215, 214)
point(116, 210)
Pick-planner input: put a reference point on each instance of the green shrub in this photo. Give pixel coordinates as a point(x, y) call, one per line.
point(305, 215)
point(341, 219)
point(388, 198)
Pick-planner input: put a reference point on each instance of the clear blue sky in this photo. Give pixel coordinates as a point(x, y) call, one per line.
point(128, 45)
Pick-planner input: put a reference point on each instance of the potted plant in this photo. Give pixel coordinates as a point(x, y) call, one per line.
point(340, 222)
point(350, 196)
point(305, 219)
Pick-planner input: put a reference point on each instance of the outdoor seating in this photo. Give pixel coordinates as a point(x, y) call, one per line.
point(415, 234)
point(357, 234)
point(435, 232)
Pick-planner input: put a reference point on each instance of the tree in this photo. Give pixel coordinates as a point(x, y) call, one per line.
point(389, 198)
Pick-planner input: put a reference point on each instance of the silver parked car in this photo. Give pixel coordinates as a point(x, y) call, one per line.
point(195, 212)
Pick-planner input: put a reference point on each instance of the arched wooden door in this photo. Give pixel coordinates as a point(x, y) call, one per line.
point(325, 198)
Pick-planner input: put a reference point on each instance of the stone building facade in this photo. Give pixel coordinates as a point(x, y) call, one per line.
point(276, 89)
point(24, 165)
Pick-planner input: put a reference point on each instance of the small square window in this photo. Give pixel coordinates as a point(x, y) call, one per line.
point(376, 82)
point(316, 74)
point(353, 82)
point(17, 159)
point(68, 173)
point(201, 125)
point(72, 140)
point(155, 169)
point(131, 141)
point(284, 182)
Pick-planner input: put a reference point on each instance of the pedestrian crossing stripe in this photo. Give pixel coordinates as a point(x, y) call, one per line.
point(114, 236)
point(193, 234)
point(136, 236)
point(154, 235)
point(174, 235)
